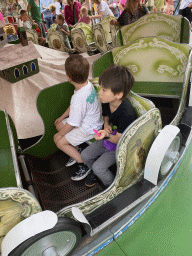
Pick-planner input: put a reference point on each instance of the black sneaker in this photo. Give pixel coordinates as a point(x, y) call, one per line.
point(81, 173)
point(91, 180)
point(72, 161)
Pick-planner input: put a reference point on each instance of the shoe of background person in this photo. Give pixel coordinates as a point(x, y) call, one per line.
point(81, 173)
point(91, 180)
point(72, 161)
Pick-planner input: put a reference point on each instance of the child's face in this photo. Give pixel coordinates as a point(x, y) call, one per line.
point(85, 13)
point(59, 22)
point(25, 16)
point(107, 96)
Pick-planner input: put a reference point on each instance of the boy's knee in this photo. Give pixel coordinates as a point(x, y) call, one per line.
point(96, 168)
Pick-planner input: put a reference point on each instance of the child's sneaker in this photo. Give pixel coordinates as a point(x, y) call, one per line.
point(72, 161)
point(91, 180)
point(81, 173)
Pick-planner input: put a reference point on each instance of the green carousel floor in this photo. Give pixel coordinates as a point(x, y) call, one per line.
point(166, 227)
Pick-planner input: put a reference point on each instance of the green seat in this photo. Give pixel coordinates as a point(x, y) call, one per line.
point(82, 38)
point(102, 34)
point(161, 68)
point(173, 28)
point(158, 65)
point(51, 104)
point(7, 168)
point(16, 203)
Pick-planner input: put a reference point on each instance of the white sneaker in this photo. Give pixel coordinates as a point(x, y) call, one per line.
point(72, 161)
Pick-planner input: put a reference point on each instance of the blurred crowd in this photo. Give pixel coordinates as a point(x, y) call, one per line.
point(64, 15)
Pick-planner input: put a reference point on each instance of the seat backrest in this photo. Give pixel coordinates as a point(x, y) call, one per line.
point(51, 103)
point(87, 29)
point(32, 35)
point(105, 23)
point(56, 41)
point(173, 28)
point(7, 170)
point(16, 204)
point(158, 65)
point(81, 37)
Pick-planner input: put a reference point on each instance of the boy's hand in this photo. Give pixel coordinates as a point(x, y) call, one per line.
point(108, 128)
point(58, 120)
point(103, 133)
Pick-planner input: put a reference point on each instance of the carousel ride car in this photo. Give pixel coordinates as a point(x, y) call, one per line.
point(54, 215)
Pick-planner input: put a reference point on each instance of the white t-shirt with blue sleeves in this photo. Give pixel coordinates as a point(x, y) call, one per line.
point(85, 109)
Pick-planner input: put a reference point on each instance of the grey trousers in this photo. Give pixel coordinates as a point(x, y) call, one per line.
point(99, 159)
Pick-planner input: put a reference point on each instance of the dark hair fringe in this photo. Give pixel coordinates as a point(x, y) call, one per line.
point(118, 79)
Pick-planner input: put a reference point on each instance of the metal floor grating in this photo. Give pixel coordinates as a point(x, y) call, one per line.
point(54, 185)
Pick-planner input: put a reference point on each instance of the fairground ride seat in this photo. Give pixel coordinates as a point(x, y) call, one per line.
point(32, 35)
point(102, 34)
point(173, 28)
point(56, 41)
point(82, 38)
point(161, 68)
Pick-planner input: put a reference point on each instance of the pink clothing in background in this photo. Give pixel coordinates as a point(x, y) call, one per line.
point(1, 17)
point(123, 2)
point(85, 19)
point(68, 12)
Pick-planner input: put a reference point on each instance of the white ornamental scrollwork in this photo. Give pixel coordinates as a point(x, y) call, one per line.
point(156, 18)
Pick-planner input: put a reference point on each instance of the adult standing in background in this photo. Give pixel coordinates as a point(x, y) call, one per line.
point(46, 13)
point(133, 11)
point(122, 5)
point(62, 6)
point(58, 7)
point(34, 10)
point(102, 9)
point(71, 12)
point(185, 9)
point(113, 5)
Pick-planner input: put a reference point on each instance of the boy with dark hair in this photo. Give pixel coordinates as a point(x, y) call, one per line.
point(63, 27)
point(118, 114)
point(84, 113)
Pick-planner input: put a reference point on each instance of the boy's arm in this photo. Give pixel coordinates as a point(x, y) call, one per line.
point(61, 118)
point(107, 126)
point(67, 33)
point(112, 138)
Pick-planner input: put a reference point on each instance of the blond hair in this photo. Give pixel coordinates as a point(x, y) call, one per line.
point(83, 9)
point(52, 7)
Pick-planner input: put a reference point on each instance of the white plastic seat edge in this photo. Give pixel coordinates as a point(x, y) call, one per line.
point(27, 228)
point(158, 151)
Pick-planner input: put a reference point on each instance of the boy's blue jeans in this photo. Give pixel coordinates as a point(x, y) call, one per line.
point(99, 159)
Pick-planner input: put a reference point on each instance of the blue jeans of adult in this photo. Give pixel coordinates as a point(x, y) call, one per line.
point(49, 22)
